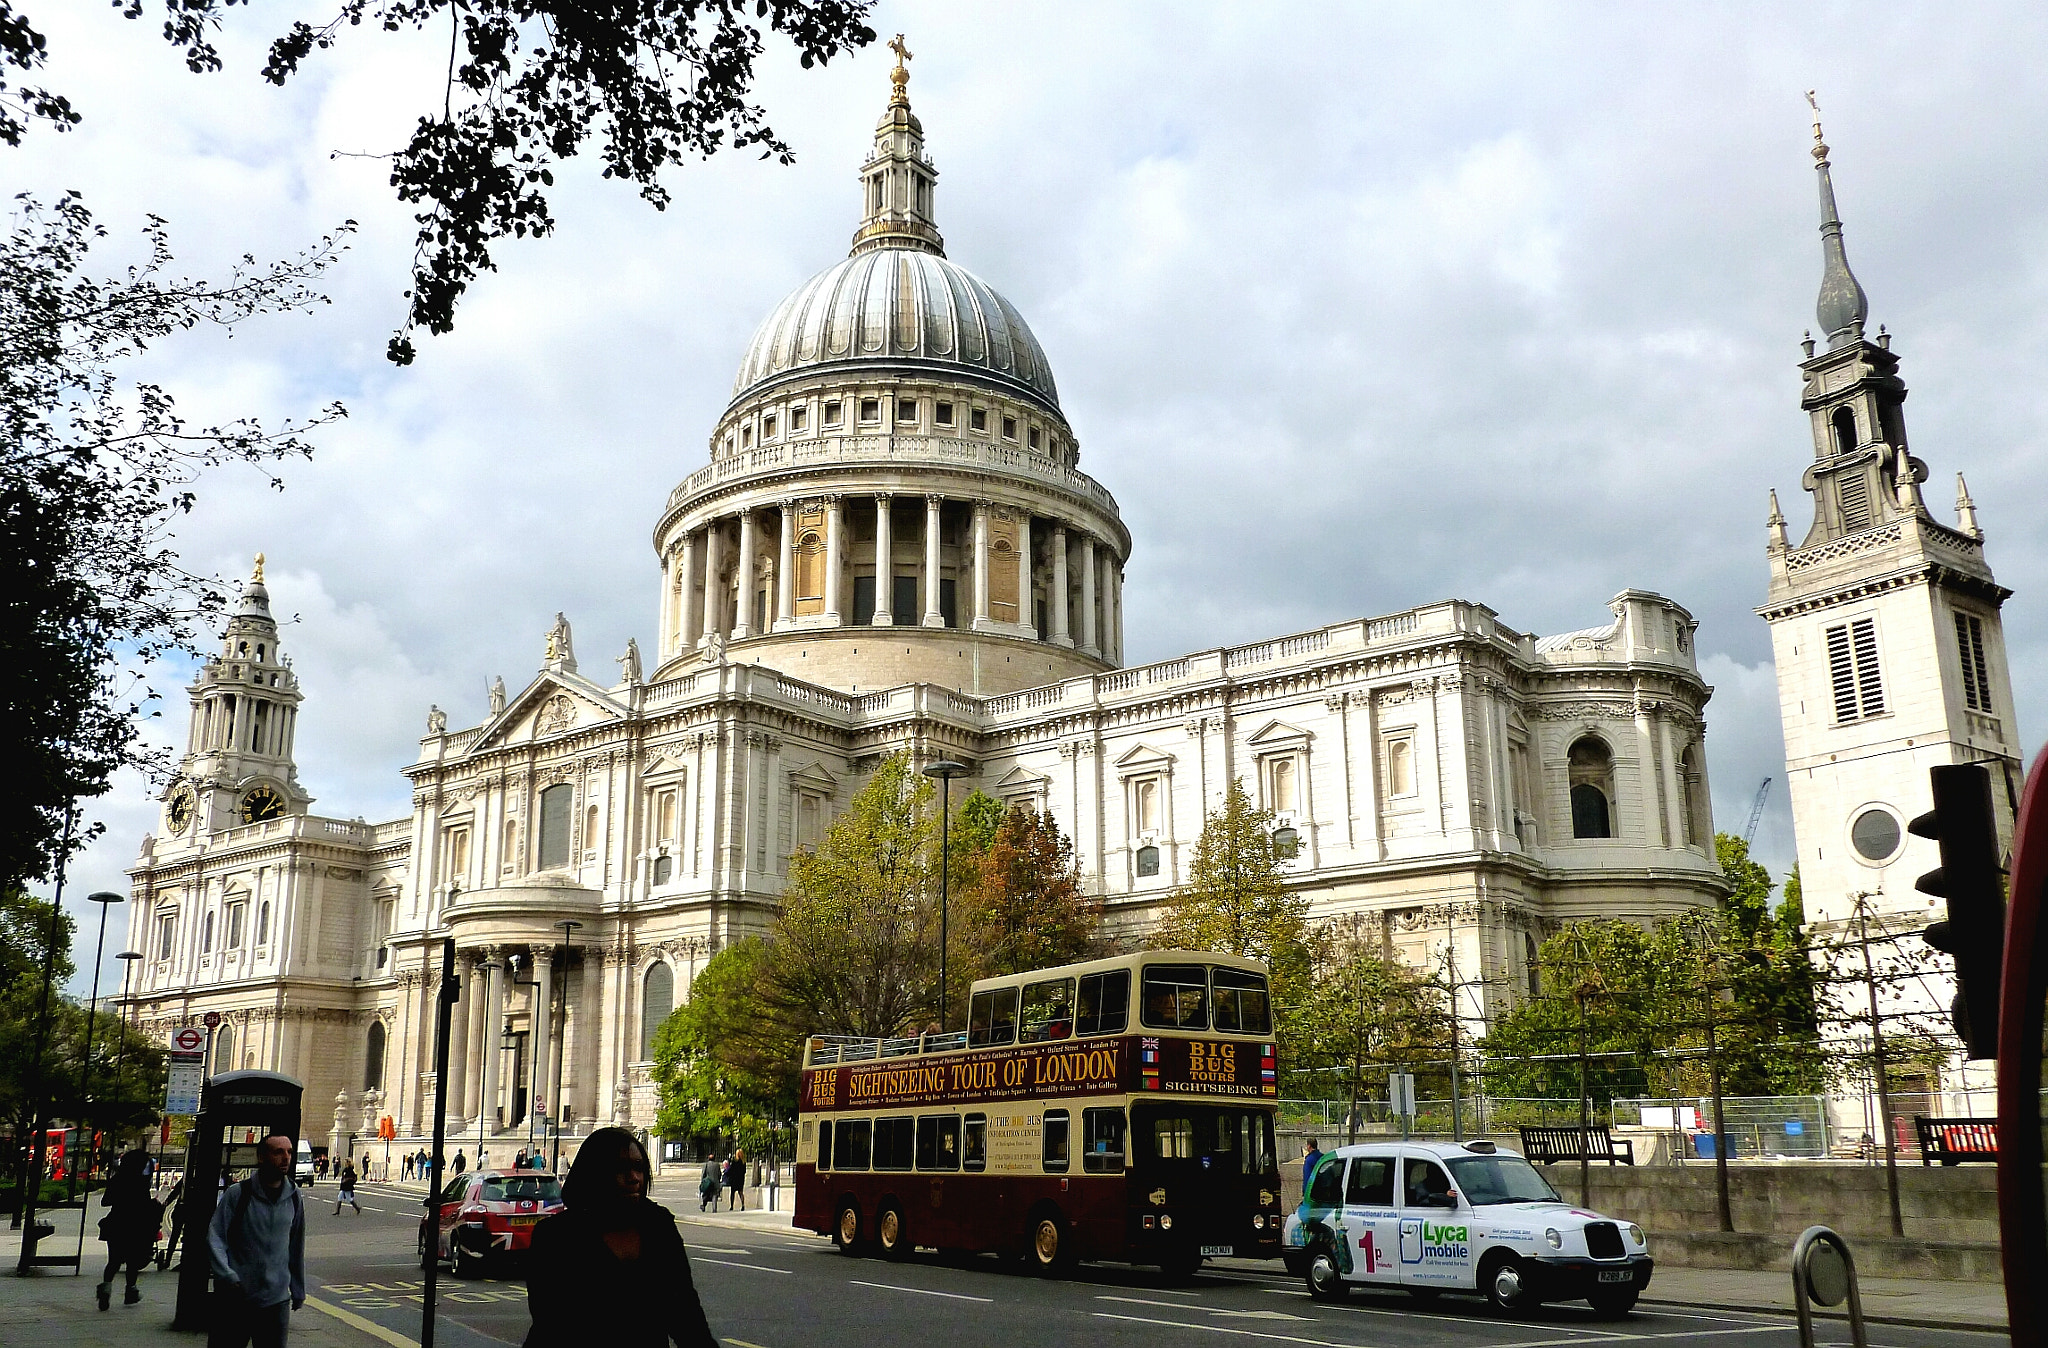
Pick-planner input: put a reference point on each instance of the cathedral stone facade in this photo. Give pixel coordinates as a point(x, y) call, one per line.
point(892, 548)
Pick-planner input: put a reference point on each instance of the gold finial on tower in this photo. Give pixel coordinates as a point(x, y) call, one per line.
point(258, 578)
point(1820, 147)
point(899, 96)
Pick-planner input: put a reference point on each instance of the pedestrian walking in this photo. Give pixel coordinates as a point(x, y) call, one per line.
point(460, 1163)
point(405, 1166)
point(709, 1181)
point(256, 1246)
point(611, 1267)
point(736, 1179)
point(348, 1191)
point(130, 1226)
point(421, 1161)
point(519, 1161)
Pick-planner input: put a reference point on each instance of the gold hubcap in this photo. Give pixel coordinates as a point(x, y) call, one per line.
point(892, 1227)
point(1047, 1241)
point(849, 1226)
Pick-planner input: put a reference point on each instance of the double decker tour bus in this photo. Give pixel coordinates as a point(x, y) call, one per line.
point(1118, 1109)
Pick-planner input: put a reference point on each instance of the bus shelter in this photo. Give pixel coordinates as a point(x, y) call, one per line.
point(237, 1110)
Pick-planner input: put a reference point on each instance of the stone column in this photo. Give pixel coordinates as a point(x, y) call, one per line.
point(543, 1026)
point(589, 1017)
point(1108, 556)
point(686, 624)
point(473, 1070)
point(835, 557)
point(458, 1045)
point(785, 570)
point(1058, 604)
point(1027, 615)
point(743, 606)
point(714, 589)
point(1088, 641)
point(980, 565)
point(933, 615)
point(884, 570)
point(494, 1022)
point(1116, 595)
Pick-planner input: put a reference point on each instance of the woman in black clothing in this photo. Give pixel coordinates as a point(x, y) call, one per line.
point(611, 1268)
point(130, 1226)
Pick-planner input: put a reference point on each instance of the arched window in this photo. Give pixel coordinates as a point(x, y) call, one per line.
point(664, 867)
point(1532, 965)
point(373, 1058)
point(263, 923)
point(1286, 844)
point(1592, 780)
point(1844, 425)
point(554, 825)
point(590, 829)
point(511, 857)
point(1691, 796)
point(665, 815)
point(223, 1048)
point(1283, 785)
point(206, 936)
point(657, 999)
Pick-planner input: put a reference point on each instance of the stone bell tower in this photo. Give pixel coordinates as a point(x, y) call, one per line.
point(1884, 623)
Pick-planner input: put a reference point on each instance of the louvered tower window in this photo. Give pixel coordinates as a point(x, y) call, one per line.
point(1855, 500)
point(1976, 674)
point(1852, 668)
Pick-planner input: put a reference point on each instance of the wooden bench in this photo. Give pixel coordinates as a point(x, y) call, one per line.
point(1954, 1141)
point(1548, 1145)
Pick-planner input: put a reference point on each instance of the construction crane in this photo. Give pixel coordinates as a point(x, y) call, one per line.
point(1756, 812)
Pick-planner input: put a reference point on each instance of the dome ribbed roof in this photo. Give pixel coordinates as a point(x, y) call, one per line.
point(899, 306)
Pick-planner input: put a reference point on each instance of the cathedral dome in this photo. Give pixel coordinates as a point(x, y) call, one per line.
point(902, 305)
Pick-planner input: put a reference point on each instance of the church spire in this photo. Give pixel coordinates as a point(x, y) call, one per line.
point(898, 181)
point(1843, 305)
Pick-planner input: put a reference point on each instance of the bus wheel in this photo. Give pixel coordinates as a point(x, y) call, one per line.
point(890, 1233)
point(1181, 1265)
point(1050, 1251)
point(846, 1228)
point(1325, 1279)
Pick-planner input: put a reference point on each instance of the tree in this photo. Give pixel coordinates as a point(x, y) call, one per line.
point(94, 470)
point(856, 946)
point(528, 84)
point(1026, 908)
point(1236, 899)
point(722, 1068)
point(1361, 1015)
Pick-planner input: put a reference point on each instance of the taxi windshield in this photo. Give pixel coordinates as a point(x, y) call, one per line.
point(537, 1189)
point(1500, 1179)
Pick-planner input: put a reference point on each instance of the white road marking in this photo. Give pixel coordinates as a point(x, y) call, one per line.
point(1223, 1329)
point(758, 1268)
point(920, 1291)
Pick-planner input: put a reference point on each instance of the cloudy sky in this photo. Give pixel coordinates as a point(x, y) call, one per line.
point(1351, 307)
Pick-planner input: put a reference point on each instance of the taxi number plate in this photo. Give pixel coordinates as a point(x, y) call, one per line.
point(1615, 1275)
point(1218, 1251)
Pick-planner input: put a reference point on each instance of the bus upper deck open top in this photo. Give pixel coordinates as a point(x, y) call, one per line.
point(1118, 1109)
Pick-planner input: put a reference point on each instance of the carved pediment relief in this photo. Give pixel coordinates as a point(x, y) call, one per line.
point(553, 704)
point(812, 776)
point(1143, 758)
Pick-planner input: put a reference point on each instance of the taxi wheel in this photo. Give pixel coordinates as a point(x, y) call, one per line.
point(1612, 1303)
point(1506, 1284)
point(846, 1229)
point(1325, 1281)
point(891, 1234)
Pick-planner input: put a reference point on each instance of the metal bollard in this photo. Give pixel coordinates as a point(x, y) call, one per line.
point(1824, 1271)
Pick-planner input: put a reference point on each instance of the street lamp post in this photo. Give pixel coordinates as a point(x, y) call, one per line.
point(106, 900)
point(127, 958)
point(513, 1042)
point(568, 926)
point(945, 770)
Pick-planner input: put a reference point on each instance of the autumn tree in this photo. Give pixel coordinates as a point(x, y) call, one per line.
point(1026, 908)
point(1361, 1016)
point(1237, 899)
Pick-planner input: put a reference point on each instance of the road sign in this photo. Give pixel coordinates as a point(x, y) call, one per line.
point(188, 1040)
point(181, 1091)
point(211, 1019)
point(1401, 1093)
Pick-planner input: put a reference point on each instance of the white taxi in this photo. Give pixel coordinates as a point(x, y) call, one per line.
point(1448, 1217)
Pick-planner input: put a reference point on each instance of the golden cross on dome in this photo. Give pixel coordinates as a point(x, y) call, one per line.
point(1820, 148)
point(258, 577)
point(900, 76)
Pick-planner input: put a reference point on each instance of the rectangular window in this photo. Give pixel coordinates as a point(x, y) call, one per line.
point(942, 414)
point(863, 600)
point(977, 419)
point(906, 411)
point(904, 600)
point(1175, 997)
point(824, 1145)
point(234, 924)
point(555, 822)
point(746, 436)
point(1173, 1139)
point(1105, 1003)
point(895, 1141)
point(1240, 1001)
point(1053, 1153)
point(992, 1017)
point(850, 1141)
point(1976, 671)
point(457, 854)
point(870, 409)
point(1102, 1141)
point(1034, 437)
point(1853, 671)
point(768, 427)
point(799, 417)
point(974, 1143)
point(1009, 428)
point(938, 1142)
point(166, 934)
point(832, 413)
point(1048, 1011)
point(1371, 1182)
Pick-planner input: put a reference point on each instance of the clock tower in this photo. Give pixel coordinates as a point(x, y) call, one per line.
point(238, 766)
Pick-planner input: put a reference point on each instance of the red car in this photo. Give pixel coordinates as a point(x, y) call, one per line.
point(488, 1215)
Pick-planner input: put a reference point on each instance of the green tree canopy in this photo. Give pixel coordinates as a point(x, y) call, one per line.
point(1026, 908)
point(1360, 1016)
point(1237, 899)
point(722, 1068)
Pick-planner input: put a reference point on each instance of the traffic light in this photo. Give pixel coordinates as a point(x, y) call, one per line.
point(1974, 932)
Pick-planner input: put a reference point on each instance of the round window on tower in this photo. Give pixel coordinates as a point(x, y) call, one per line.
point(1875, 834)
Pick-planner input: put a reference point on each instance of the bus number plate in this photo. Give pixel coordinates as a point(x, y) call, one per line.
point(1615, 1275)
point(1218, 1251)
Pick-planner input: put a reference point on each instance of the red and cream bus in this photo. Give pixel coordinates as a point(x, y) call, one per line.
point(1120, 1109)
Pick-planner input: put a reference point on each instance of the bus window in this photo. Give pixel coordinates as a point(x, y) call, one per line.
point(894, 1139)
point(1240, 1001)
point(1048, 1011)
point(1173, 1139)
point(1175, 996)
point(1102, 1141)
point(824, 1144)
point(850, 1144)
point(938, 1142)
point(992, 1017)
point(1105, 1006)
point(974, 1156)
point(1055, 1152)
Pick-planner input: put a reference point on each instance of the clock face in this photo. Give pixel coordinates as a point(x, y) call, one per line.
point(261, 804)
point(180, 812)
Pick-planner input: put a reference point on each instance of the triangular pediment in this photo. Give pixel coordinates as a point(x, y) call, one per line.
point(1143, 758)
point(1278, 734)
point(1019, 780)
point(813, 777)
point(553, 705)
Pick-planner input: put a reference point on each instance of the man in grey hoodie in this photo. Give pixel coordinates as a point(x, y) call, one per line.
point(256, 1244)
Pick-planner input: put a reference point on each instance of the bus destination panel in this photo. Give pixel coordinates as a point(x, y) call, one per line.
point(1128, 1064)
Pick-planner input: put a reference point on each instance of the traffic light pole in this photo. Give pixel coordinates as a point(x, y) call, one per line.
point(2023, 1223)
